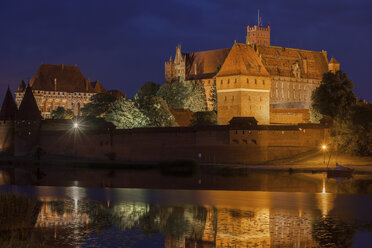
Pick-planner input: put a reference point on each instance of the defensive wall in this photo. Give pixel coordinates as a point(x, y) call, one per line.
point(211, 144)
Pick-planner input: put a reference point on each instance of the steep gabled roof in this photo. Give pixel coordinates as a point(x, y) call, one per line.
point(97, 87)
point(279, 61)
point(28, 110)
point(204, 64)
point(333, 61)
point(22, 86)
point(183, 117)
point(67, 78)
point(117, 94)
point(242, 60)
point(9, 108)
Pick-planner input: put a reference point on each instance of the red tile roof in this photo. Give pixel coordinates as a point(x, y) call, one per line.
point(279, 61)
point(204, 64)
point(67, 78)
point(242, 60)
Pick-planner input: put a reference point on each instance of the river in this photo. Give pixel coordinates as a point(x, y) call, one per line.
point(147, 208)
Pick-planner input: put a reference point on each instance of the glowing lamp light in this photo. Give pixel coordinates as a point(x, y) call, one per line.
point(76, 125)
point(324, 147)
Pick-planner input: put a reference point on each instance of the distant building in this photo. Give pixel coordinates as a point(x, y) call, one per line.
point(61, 86)
point(254, 77)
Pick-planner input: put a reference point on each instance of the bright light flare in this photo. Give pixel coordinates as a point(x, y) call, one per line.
point(324, 147)
point(76, 125)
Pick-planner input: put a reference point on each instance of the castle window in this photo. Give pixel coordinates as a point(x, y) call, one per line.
point(225, 98)
point(236, 80)
point(228, 81)
point(232, 98)
point(260, 99)
point(255, 81)
point(263, 82)
point(221, 81)
point(247, 81)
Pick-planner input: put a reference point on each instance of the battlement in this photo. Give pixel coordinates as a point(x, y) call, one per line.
point(255, 27)
point(258, 35)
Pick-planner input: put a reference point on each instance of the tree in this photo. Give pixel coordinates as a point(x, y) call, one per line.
point(62, 113)
point(148, 89)
point(156, 109)
point(206, 118)
point(334, 96)
point(353, 134)
point(126, 114)
point(197, 100)
point(213, 96)
point(185, 95)
point(352, 122)
point(98, 105)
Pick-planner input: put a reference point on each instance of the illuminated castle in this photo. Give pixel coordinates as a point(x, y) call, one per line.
point(273, 84)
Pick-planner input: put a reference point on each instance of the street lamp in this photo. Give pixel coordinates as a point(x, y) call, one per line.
point(324, 148)
point(76, 125)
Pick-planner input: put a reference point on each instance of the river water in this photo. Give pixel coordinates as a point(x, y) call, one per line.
point(131, 208)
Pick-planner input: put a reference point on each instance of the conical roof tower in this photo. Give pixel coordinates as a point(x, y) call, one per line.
point(28, 109)
point(9, 108)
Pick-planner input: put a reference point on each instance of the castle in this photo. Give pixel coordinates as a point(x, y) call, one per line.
point(273, 84)
point(61, 86)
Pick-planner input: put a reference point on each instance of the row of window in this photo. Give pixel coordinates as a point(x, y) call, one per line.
point(249, 98)
point(247, 81)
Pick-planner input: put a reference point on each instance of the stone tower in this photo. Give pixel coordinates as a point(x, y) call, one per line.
point(7, 118)
point(243, 86)
point(258, 35)
point(28, 121)
point(175, 70)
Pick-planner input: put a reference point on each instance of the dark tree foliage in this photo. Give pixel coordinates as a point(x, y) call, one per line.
point(213, 96)
point(98, 105)
point(61, 113)
point(126, 114)
point(184, 95)
point(353, 134)
point(157, 111)
point(352, 122)
point(206, 118)
point(148, 89)
point(334, 96)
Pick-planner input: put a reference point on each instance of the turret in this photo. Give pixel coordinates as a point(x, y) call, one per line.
point(258, 35)
point(28, 120)
point(175, 70)
point(7, 117)
point(333, 65)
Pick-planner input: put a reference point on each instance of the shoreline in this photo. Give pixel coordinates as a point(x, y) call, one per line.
point(311, 162)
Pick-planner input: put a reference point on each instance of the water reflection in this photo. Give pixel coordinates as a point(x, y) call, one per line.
point(213, 219)
point(211, 180)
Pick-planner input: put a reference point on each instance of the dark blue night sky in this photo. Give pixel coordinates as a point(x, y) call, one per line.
point(123, 44)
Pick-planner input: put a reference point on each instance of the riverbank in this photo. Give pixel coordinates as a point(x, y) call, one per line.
point(312, 162)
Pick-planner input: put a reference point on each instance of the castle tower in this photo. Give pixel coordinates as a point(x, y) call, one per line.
point(258, 35)
point(333, 65)
point(7, 117)
point(243, 87)
point(28, 120)
point(176, 70)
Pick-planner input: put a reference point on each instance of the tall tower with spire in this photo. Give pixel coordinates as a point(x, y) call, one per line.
point(258, 34)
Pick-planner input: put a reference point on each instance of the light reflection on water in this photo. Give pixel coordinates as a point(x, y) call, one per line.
point(83, 217)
